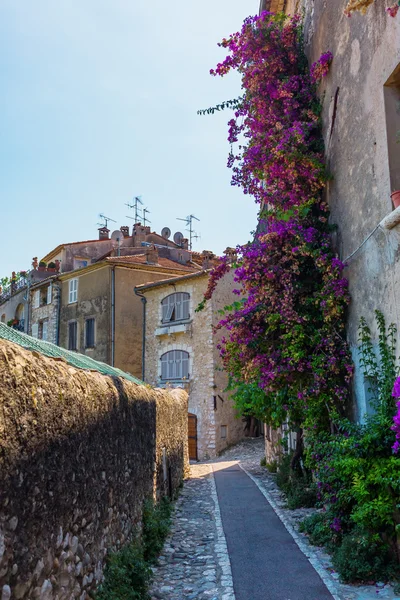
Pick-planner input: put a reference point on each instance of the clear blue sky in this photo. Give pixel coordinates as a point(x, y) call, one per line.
point(98, 104)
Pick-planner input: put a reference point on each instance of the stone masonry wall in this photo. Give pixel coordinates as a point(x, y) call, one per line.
point(197, 340)
point(78, 454)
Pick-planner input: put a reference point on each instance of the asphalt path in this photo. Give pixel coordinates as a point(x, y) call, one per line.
point(266, 562)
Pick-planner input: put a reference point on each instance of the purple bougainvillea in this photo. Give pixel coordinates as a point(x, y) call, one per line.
point(287, 333)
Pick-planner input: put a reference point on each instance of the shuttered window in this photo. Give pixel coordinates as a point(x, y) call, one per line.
point(73, 291)
point(49, 291)
point(73, 335)
point(175, 307)
point(35, 330)
point(175, 365)
point(36, 299)
point(89, 333)
point(44, 330)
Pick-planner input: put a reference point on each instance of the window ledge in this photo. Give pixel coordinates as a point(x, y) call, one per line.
point(391, 220)
point(174, 383)
point(170, 328)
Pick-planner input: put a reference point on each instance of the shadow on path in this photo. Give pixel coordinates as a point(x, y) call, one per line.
point(266, 561)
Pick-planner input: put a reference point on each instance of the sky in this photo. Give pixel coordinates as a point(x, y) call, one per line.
point(98, 105)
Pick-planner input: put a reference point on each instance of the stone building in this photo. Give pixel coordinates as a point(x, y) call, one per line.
point(181, 351)
point(44, 308)
point(100, 315)
point(361, 123)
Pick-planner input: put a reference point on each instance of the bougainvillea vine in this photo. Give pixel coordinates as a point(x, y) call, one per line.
point(286, 333)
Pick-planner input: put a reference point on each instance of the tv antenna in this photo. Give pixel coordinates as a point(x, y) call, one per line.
point(106, 219)
point(189, 228)
point(136, 201)
point(145, 219)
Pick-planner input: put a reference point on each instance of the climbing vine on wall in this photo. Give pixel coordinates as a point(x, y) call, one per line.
point(285, 334)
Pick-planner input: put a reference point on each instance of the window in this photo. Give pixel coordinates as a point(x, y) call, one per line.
point(89, 333)
point(36, 299)
point(42, 330)
point(175, 365)
point(35, 330)
point(73, 291)
point(49, 293)
point(3, 318)
point(73, 335)
point(175, 307)
point(224, 431)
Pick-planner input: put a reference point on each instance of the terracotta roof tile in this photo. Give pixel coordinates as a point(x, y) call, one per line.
point(166, 263)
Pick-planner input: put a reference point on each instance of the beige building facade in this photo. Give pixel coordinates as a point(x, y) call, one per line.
point(180, 351)
point(100, 315)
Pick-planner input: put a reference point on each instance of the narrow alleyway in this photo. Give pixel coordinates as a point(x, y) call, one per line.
point(233, 539)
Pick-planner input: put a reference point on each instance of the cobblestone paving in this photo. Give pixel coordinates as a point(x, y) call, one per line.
point(194, 564)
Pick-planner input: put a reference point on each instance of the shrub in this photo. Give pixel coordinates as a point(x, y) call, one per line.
point(363, 557)
point(297, 485)
point(156, 525)
point(272, 466)
point(322, 530)
point(128, 572)
point(127, 575)
point(263, 462)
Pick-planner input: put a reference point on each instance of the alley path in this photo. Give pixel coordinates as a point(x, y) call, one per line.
point(233, 521)
point(266, 562)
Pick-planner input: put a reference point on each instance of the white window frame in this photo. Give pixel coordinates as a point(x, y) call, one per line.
point(175, 365)
point(36, 299)
point(49, 293)
point(72, 291)
point(175, 307)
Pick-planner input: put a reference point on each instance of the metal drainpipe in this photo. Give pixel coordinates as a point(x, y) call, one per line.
point(144, 302)
point(112, 315)
point(58, 313)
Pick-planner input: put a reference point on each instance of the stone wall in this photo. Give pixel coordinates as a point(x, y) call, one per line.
point(46, 312)
point(217, 425)
point(78, 454)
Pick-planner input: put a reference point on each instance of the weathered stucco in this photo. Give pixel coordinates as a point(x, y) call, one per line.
point(79, 452)
point(366, 51)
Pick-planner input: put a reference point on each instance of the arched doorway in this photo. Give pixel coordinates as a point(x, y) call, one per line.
point(192, 435)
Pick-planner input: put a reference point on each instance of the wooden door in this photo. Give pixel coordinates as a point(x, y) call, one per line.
point(192, 432)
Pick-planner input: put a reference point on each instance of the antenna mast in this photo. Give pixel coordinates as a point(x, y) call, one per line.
point(106, 219)
point(189, 224)
point(145, 219)
point(136, 201)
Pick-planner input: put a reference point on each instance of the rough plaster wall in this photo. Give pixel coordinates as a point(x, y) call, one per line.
point(366, 51)
point(10, 306)
point(94, 300)
point(198, 341)
point(129, 317)
point(225, 413)
point(78, 454)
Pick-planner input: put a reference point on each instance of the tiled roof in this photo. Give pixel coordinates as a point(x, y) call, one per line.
point(166, 263)
point(146, 286)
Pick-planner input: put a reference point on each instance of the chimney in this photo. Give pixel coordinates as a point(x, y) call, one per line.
point(138, 234)
point(231, 254)
point(185, 243)
point(103, 233)
point(151, 255)
point(124, 230)
point(207, 256)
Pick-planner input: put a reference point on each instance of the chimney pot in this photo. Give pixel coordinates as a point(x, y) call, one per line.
point(103, 233)
point(207, 257)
